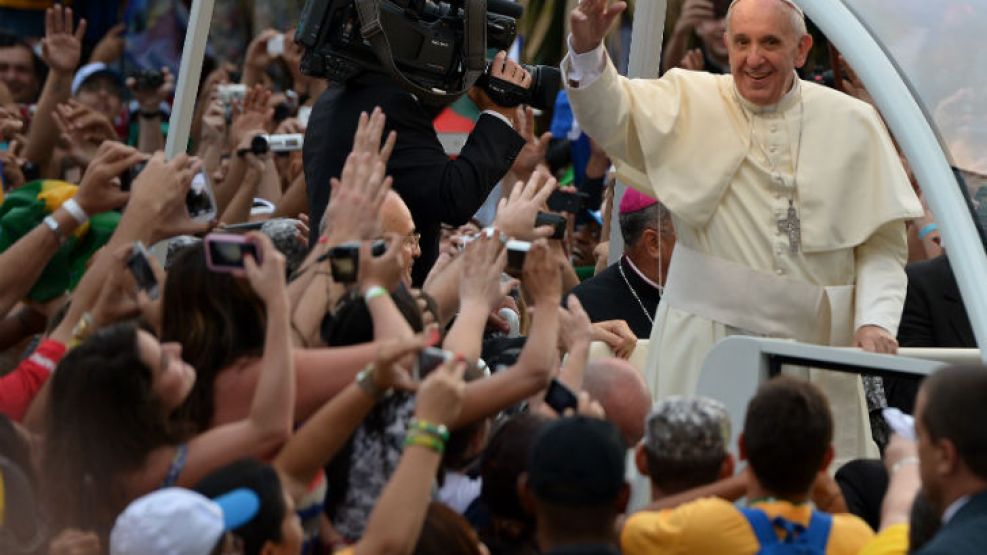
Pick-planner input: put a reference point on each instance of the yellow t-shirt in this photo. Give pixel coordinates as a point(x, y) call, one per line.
point(893, 540)
point(713, 525)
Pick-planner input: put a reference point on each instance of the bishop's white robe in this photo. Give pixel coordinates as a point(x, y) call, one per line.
point(728, 170)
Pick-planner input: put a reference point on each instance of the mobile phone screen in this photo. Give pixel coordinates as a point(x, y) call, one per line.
point(229, 254)
point(140, 267)
point(199, 199)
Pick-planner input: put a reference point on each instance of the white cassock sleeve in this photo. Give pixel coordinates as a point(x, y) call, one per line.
point(586, 67)
point(880, 278)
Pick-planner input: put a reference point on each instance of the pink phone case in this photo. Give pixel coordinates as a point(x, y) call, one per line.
point(216, 243)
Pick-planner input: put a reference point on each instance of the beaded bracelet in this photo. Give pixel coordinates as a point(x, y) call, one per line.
point(439, 431)
point(428, 441)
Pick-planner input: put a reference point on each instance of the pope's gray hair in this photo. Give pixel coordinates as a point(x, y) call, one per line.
point(795, 15)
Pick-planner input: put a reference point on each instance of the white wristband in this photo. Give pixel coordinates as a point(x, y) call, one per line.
point(78, 214)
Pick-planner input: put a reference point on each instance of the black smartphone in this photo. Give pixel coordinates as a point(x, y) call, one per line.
point(560, 397)
point(344, 260)
point(516, 253)
point(140, 266)
point(557, 221)
point(567, 201)
point(429, 359)
point(130, 174)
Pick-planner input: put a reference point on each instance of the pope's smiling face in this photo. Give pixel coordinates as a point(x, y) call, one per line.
point(764, 49)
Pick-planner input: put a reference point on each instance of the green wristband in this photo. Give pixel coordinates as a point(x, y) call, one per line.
point(373, 293)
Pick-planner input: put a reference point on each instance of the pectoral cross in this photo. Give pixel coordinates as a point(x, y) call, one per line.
point(792, 227)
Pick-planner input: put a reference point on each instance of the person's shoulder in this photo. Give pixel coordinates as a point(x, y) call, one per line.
point(848, 535)
point(597, 281)
point(928, 269)
point(707, 525)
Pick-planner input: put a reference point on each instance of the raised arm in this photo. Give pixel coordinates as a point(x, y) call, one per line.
point(396, 521)
point(61, 50)
point(538, 359)
point(322, 435)
point(271, 414)
point(22, 264)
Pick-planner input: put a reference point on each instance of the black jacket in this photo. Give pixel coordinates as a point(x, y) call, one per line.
point(934, 316)
point(605, 296)
point(435, 188)
point(964, 534)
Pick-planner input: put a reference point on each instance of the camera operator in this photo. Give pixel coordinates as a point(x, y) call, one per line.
point(436, 189)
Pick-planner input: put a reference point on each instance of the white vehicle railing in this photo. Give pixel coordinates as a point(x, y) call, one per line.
point(737, 365)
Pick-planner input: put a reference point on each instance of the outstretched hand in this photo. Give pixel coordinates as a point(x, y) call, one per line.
point(590, 22)
point(61, 48)
point(516, 214)
point(158, 197)
point(354, 206)
point(484, 259)
point(100, 188)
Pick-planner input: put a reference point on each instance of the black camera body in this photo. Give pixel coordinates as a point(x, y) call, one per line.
point(148, 80)
point(434, 49)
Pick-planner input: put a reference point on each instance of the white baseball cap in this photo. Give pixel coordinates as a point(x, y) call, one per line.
point(177, 521)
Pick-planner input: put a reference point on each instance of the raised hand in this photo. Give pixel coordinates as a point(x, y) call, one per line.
point(82, 130)
point(440, 396)
point(253, 116)
point(590, 22)
point(535, 147)
point(694, 12)
point(387, 372)
point(10, 124)
point(257, 57)
point(61, 48)
point(574, 325)
point(516, 214)
point(267, 275)
point(484, 259)
point(100, 187)
point(542, 277)
point(150, 100)
point(110, 48)
point(384, 270)
point(158, 197)
point(354, 206)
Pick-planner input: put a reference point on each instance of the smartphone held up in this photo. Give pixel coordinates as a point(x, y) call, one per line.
point(225, 252)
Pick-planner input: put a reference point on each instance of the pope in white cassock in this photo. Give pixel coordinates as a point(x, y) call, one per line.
point(788, 198)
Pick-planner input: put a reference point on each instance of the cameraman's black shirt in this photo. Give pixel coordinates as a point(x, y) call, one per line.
point(436, 189)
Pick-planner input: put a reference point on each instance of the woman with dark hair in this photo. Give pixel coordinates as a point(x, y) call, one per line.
point(110, 434)
point(445, 532)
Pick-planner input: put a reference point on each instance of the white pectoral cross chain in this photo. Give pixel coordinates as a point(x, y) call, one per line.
point(792, 226)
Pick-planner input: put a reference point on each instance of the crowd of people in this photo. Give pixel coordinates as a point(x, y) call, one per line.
point(357, 344)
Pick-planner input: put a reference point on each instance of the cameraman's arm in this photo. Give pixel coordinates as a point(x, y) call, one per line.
point(452, 190)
